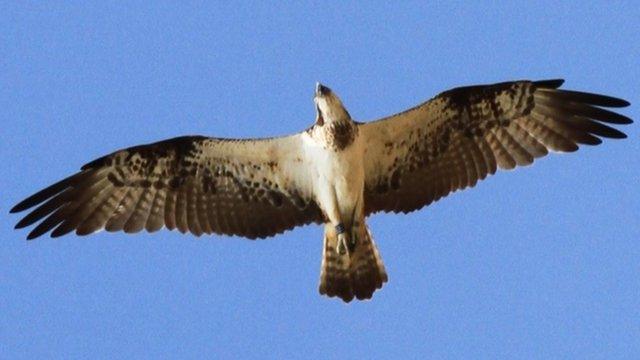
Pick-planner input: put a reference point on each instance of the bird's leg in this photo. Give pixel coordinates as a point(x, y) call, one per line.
point(333, 216)
point(358, 214)
point(342, 239)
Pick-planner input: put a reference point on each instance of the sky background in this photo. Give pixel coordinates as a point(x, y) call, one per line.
point(542, 262)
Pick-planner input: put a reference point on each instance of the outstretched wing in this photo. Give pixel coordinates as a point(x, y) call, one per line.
point(251, 188)
point(462, 135)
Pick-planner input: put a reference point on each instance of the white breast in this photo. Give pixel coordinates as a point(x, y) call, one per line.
point(338, 175)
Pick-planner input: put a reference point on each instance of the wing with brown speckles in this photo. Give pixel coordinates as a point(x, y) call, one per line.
point(250, 188)
point(463, 135)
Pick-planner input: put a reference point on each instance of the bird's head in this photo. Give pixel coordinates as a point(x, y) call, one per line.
point(328, 106)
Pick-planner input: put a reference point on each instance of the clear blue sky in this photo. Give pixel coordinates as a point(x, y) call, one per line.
point(542, 262)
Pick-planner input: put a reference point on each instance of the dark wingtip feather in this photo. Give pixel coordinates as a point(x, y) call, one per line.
point(35, 233)
point(591, 98)
point(23, 223)
point(549, 84)
point(608, 132)
point(99, 162)
point(588, 139)
point(61, 230)
point(603, 100)
point(26, 203)
point(618, 102)
point(613, 118)
point(47, 192)
point(45, 226)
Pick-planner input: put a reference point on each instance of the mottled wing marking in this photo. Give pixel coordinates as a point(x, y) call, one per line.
point(463, 135)
point(251, 188)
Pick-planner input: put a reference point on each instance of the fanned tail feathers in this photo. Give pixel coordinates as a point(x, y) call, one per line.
point(357, 273)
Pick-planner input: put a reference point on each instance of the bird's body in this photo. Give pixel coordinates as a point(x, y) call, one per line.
point(336, 173)
point(335, 149)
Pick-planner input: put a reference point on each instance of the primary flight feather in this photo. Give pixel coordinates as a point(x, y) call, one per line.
point(335, 173)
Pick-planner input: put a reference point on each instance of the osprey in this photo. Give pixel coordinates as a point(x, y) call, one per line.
point(335, 173)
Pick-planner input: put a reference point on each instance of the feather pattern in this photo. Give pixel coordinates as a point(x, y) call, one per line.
point(510, 124)
point(337, 172)
point(195, 184)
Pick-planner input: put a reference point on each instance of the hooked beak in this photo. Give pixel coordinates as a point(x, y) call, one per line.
point(322, 90)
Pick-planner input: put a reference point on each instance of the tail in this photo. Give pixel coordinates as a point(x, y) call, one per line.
point(359, 272)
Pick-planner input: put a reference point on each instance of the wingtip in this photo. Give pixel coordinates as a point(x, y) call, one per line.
point(624, 103)
point(32, 236)
point(622, 120)
point(613, 102)
point(551, 83)
point(21, 206)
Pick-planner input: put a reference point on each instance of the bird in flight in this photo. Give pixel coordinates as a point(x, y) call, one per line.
point(335, 173)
